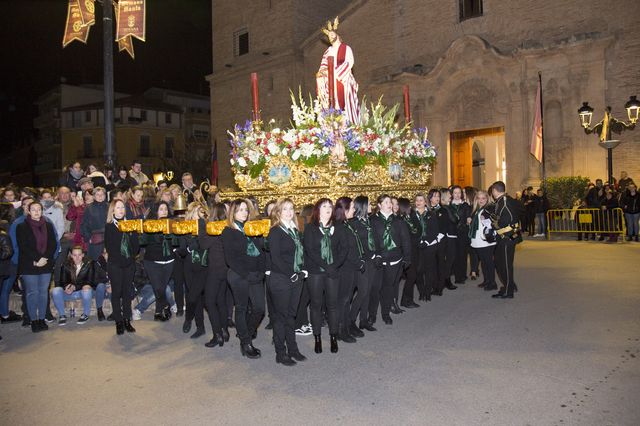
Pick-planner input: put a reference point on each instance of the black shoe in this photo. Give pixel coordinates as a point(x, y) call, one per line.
point(482, 285)
point(249, 351)
point(497, 295)
point(450, 286)
point(225, 334)
point(409, 305)
point(490, 287)
point(269, 326)
point(49, 318)
point(128, 326)
point(395, 310)
point(43, 325)
point(396, 307)
point(12, 317)
point(387, 320)
point(297, 356)
point(186, 327)
point(427, 297)
point(166, 311)
point(35, 326)
point(230, 323)
point(199, 332)
point(110, 317)
point(101, 316)
point(334, 344)
point(216, 340)
point(355, 331)
point(26, 322)
point(285, 359)
point(119, 328)
point(474, 277)
point(180, 313)
point(437, 292)
point(347, 338)
point(506, 296)
point(318, 346)
point(367, 326)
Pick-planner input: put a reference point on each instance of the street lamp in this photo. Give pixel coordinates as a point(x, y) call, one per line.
point(607, 125)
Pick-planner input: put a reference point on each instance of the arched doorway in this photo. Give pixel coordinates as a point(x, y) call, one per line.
point(477, 157)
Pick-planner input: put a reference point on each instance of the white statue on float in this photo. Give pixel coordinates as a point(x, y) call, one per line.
point(345, 87)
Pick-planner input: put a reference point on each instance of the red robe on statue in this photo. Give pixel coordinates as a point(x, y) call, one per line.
point(345, 85)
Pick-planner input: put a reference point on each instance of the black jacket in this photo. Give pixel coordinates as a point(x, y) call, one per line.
point(6, 252)
point(235, 253)
point(282, 251)
point(399, 234)
point(458, 214)
point(413, 228)
point(435, 222)
point(313, 261)
point(100, 275)
point(509, 212)
point(86, 276)
point(94, 219)
point(213, 244)
point(630, 203)
point(361, 228)
point(353, 260)
point(541, 204)
point(28, 252)
point(153, 244)
point(112, 242)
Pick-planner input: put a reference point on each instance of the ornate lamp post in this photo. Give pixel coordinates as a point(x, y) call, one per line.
point(607, 125)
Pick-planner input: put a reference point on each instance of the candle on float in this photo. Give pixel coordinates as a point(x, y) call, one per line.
point(331, 81)
point(254, 94)
point(407, 106)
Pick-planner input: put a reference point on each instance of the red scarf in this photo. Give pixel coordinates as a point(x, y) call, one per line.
point(39, 229)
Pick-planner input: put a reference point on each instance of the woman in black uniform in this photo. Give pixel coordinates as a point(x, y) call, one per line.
point(462, 213)
point(450, 237)
point(122, 249)
point(395, 255)
point(158, 261)
point(246, 273)
point(325, 250)
point(433, 244)
point(413, 226)
point(195, 273)
point(285, 281)
point(360, 305)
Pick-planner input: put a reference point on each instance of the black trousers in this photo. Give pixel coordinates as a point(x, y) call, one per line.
point(121, 290)
point(324, 289)
point(504, 256)
point(245, 290)
point(463, 243)
point(269, 300)
point(159, 275)
point(360, 303)
point(178, 283)
point(474, 261)
point(390, 277)
point(215, 299)
point(348, 280)
point(302, 314)
point(450, 254)
point(411, 276)
point(230, 302)
point(485, 254)
point(374, 294)
point(432, 259)
point(285, 297)
point(195, 280)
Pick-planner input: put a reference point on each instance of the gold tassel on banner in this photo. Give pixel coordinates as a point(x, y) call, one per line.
point(87, 11)
point(75, 28)
point(131, 19)
point(125, 43)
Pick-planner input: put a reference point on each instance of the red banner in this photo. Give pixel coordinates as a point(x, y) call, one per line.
point(88, 12)
point(75, 29)
point(131, 19)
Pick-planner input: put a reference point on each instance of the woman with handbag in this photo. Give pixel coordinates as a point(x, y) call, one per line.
point(483, 240)
point(246, 262)
point(121, 248)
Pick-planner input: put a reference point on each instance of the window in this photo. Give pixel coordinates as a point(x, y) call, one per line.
point(470, 9)
point(145, 146)
point(241, 42)
point(87, 147)
point(201, 134)
point(167, 118)
point(87, 116)
point(143, 115)
point(168, 146)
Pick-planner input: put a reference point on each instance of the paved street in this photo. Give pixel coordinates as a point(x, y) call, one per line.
point(566, 350)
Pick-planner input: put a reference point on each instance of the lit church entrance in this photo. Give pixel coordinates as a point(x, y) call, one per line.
point(477, 157)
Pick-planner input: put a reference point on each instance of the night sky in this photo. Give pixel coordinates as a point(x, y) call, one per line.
point(176, 55)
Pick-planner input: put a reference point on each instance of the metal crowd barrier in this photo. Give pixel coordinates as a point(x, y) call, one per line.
point(588, 221)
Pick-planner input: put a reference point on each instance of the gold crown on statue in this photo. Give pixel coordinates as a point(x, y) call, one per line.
point(331, 26)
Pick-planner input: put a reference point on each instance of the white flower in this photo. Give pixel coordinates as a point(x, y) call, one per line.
point(242, 162)
point(296, 155)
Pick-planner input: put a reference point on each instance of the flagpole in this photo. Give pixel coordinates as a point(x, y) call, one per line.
point(544, 157)
point(107, 44)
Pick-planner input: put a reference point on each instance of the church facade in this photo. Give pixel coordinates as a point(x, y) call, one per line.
point(472, 68)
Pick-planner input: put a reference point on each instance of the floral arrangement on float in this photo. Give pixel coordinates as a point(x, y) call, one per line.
point(320, 139)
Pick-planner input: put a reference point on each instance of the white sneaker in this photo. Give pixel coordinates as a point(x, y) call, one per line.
point(174, 308)
point(136, 315)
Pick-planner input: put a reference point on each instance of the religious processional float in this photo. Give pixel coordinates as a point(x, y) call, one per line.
point(335, 147)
